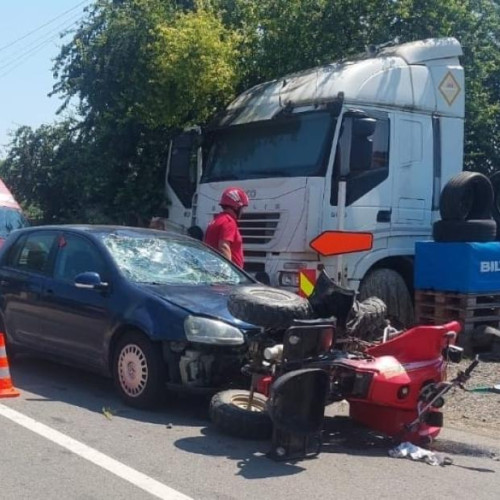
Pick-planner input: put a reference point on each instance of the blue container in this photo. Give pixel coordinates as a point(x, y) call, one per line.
point(457, 267)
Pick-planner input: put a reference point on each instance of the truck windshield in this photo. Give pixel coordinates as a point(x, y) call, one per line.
point(291, 146)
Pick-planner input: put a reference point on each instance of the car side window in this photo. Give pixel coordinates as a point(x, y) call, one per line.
point(77, 255)
point(31, 253)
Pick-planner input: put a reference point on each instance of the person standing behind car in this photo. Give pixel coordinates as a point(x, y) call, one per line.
point(223, 233)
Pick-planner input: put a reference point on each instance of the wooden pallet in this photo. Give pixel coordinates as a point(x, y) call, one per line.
point(471, 310)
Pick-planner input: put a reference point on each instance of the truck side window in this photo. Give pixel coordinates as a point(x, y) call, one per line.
point(362, 155)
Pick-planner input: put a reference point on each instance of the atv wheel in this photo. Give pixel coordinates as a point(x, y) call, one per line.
point(468, 195)
point(367, 319)
point(268, 307)
point(230, 413)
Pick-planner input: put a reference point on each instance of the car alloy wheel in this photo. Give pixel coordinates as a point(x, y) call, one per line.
point(132, 370)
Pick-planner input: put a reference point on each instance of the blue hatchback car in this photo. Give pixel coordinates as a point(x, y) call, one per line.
point(147, 307)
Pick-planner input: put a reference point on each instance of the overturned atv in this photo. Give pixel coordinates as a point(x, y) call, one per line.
point(392, 386)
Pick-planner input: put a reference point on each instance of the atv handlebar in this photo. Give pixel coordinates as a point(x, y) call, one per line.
point(471, 367)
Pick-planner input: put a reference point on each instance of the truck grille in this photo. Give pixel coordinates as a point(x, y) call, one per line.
point(258, 228)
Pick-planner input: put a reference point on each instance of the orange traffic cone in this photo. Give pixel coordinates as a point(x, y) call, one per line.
point(7, 390)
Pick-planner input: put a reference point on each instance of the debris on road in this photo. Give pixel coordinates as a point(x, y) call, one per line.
point(409, 450)
point(108, 412)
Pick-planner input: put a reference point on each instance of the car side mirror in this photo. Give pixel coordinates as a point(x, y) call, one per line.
point(90, 280)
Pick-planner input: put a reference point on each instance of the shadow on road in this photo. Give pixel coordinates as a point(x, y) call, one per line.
point(250, 455)
point(47, 381)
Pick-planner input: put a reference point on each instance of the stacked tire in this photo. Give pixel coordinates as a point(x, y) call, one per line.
point(470, 209)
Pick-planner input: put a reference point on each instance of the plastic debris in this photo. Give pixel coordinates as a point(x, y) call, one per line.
point(495, 389)
point(409, 450)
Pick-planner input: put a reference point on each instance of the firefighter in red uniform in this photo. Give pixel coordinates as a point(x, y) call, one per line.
point(223, 233)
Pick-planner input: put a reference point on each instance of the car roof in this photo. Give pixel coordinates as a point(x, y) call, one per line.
point(115, 229)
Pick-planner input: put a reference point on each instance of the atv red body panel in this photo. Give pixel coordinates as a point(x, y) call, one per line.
point(387, 387)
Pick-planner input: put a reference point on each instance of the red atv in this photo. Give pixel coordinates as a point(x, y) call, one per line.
point(394, 386)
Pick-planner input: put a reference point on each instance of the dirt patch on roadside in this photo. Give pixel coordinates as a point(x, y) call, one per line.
point(478, 412)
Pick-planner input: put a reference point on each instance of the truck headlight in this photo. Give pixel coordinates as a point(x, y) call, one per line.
point(288, 278)
point(211, 331)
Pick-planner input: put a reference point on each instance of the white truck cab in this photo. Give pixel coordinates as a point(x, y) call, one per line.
point(357, 146)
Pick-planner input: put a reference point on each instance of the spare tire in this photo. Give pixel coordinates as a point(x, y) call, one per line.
point(448, 231)
point(468, 195)
point(495, 181)
point(268, 307)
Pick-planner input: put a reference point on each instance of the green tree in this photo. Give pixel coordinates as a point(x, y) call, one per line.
point(139, 70)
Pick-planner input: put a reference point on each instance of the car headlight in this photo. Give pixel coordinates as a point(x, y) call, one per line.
point(211, 331)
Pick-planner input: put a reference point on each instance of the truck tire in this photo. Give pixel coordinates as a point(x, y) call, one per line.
point(367, 319)
point(495, 182)
point(268, 307)
point(468, 195)
point(229, 414)
point(449, 231)
point(390, 287)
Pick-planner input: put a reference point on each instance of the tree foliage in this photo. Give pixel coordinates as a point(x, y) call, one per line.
point(139, 70)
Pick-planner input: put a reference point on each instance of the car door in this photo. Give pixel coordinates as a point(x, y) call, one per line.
point(23, 276)
point(78, 317)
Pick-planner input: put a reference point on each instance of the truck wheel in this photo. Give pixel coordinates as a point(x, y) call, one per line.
point(139, 371)
point(390, 287)
point(229, 413)
point(495, 181)
point(268, 307)
point(448, 231)
point(468, 195)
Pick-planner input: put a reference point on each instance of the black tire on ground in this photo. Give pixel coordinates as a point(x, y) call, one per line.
point(367, 319)
point(495, 182)
point(468, 195)
point(389, 286)
point(449, 231)
point(229, 414)
point(139, 371)
point(268, 307)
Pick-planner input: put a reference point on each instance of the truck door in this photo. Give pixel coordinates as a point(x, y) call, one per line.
point(362, 160)
point(413, 172)
point(182, 176)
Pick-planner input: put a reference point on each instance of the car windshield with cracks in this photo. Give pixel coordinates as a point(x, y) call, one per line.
point(165, 261)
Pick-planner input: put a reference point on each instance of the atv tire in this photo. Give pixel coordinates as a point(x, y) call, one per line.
point(449, 231)
point(268, 307)
point(367, 319)
point(468, 195)
point(229, 414)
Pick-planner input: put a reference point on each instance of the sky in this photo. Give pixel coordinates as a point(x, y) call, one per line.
point(29, 42)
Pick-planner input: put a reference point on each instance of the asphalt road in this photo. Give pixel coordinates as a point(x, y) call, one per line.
point(57, 443)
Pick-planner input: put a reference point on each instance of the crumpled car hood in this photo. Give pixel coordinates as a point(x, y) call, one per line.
point(203, 300)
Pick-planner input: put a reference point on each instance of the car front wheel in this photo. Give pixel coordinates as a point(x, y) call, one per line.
point(139, 371)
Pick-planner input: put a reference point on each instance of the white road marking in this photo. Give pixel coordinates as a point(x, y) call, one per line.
point(137, 478)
